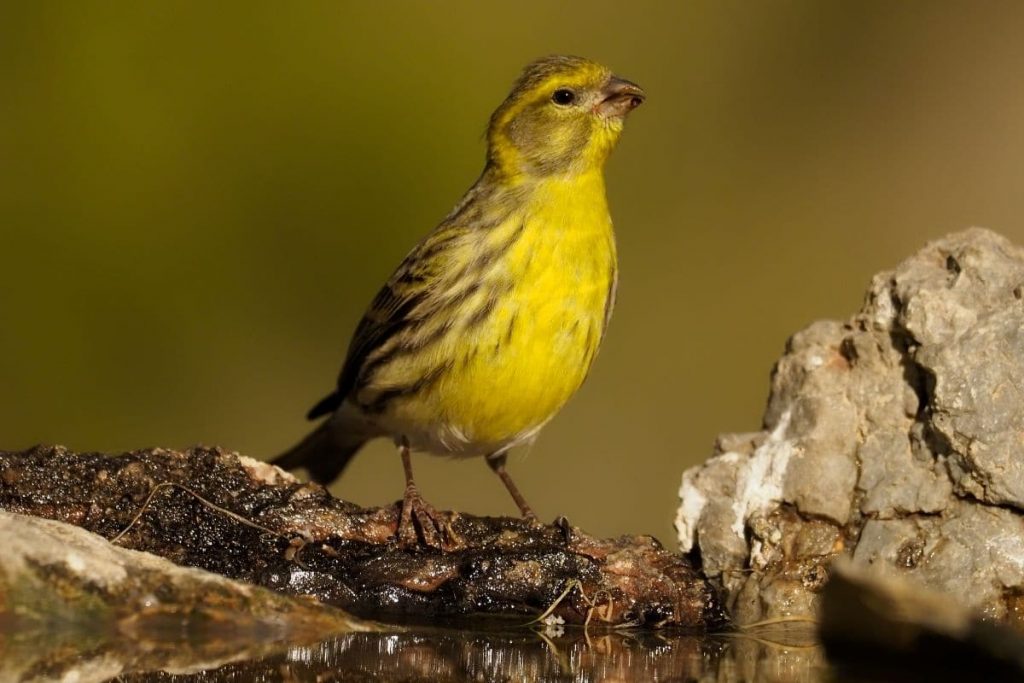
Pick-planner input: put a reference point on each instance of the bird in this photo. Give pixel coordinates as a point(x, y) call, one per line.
point(492, 321)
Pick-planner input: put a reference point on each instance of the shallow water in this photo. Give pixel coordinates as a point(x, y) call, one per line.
point(431, 654)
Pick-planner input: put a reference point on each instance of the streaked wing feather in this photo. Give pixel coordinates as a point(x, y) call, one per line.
point(403, 301)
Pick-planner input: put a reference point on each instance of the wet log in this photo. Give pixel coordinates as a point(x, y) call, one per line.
point(250, 521)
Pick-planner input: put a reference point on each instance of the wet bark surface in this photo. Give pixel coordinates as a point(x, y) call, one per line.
point(249, 521)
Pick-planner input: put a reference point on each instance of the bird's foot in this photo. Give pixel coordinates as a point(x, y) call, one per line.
point(421, 522)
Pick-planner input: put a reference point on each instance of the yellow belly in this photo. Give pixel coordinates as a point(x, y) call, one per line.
point(536, 350)
point(512, 372)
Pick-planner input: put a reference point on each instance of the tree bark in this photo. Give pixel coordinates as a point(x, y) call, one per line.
point(250, 521)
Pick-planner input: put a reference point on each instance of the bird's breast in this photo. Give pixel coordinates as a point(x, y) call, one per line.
point(531, 335)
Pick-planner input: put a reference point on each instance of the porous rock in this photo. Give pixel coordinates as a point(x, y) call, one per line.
point(895, 438)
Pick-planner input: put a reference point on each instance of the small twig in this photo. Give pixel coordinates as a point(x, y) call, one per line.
point(572, 583)
point(213, 506)
point(592, 605)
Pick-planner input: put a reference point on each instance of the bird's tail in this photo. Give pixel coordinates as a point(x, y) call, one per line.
point(324, 453)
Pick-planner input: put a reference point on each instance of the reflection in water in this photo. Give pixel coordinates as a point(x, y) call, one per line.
point(523, 655)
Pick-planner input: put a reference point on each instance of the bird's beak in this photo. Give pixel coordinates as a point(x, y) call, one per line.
point(620, 97)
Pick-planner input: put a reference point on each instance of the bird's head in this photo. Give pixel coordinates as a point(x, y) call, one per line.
point(563, 116)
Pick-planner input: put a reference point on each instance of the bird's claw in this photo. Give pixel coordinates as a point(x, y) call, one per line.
point(420, 522)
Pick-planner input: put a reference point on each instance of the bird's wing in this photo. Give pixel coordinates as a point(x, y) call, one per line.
point(408, 298)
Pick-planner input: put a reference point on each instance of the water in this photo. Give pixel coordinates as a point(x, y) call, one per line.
point(427, 654)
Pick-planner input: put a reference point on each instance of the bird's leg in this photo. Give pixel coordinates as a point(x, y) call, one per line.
point(497, 463)
point(419, 519)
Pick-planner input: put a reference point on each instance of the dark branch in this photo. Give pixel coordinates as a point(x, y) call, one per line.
point(302, 540)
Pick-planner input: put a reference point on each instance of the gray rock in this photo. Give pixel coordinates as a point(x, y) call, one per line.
point(977, 406)
point(896, 438)
point(64, 590)
point(894, 481)
point(974, 552)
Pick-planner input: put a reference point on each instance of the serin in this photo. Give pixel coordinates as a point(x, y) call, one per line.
point(493, 320)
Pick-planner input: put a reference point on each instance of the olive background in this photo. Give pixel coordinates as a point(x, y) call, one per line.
point(197, 200)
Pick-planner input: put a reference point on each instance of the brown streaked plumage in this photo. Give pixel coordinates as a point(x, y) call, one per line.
point(493, 320)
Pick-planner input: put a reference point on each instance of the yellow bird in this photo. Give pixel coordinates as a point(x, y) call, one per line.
point(492, 321)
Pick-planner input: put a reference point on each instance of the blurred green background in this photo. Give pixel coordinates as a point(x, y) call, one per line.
point(198, 199)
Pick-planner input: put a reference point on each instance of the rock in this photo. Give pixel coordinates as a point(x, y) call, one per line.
point(64, 590)
point(250, 521)
point(875, 622)
point(895, 438)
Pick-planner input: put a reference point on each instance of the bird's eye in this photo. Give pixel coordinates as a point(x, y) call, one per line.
point(563, 96)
